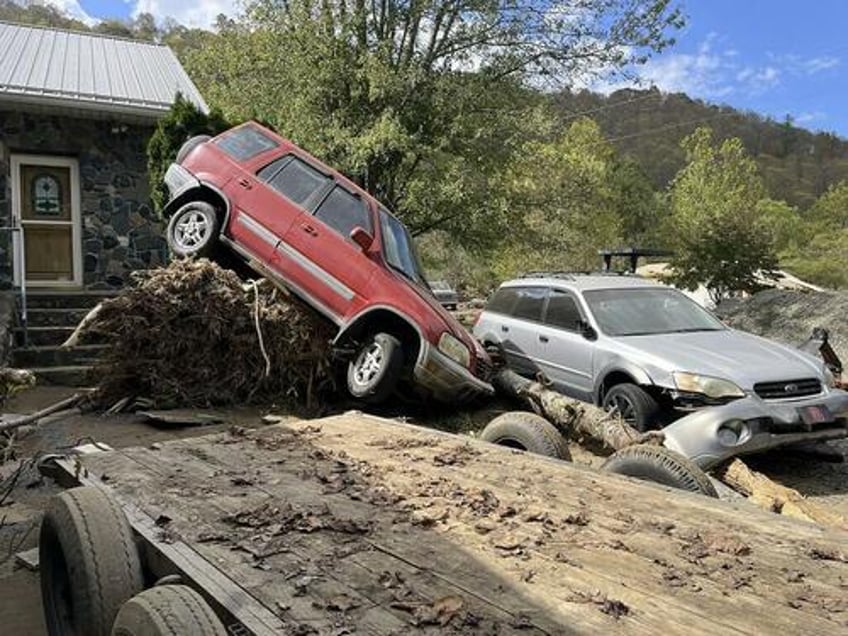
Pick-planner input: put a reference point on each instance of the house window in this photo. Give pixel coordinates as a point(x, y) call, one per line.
point(46, 196)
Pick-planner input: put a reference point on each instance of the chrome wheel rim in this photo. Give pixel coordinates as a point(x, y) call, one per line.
point(368, 365)
point(191, 231)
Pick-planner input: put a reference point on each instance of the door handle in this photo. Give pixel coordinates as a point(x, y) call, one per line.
point(309, 229)
point(543, 338)
point(245, 183)
point(504, 328)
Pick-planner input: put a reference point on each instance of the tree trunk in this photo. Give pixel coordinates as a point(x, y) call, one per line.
point(775, 497)
point(575, 419)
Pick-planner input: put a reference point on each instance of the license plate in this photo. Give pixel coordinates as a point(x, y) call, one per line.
point(815, 415)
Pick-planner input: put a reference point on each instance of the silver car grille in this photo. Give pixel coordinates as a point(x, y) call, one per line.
point(786, 389)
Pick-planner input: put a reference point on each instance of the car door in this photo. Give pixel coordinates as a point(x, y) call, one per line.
point(259, 217)
point(518, 329)
point(335, 270)
point(565, 354)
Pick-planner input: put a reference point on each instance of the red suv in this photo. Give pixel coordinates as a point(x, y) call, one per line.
point(310, 230)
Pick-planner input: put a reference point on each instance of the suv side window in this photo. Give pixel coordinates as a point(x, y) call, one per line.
point(530, 302)
point(343, 211)
point(244, 143)
point(295, 179)
point(562, 311)
point(503, 301)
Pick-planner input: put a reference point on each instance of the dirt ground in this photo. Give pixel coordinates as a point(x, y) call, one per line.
point(20, 511)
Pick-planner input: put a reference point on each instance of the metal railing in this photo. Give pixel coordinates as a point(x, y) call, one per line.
point(20, 267)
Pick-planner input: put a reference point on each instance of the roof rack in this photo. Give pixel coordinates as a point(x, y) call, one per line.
point(633, 253)
point(570, 275)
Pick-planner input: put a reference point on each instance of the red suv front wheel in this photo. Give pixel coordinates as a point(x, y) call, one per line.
point(374, 372)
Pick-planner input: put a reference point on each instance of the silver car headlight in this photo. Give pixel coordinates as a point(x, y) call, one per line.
point(715, 388)
point(454, 349)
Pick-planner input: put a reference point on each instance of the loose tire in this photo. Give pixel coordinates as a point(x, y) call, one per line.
point(167, 610)
point(88, 561)
point(190, 145)
point(374, 373)
point(660, 465)
point(529, 432)
point(193, 229)
point(634, 405)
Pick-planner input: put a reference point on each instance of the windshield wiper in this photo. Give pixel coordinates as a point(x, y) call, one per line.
point(694, 329)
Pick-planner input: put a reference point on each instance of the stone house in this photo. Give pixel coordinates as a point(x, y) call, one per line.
point(76, 112)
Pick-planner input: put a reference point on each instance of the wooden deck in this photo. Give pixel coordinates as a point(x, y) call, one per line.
point(353, 522)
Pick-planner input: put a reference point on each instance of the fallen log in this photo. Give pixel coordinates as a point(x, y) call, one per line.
point(775, 497)
point(574, 419)
point(61, 405)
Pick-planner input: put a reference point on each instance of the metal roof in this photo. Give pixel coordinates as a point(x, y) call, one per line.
point(90, 71)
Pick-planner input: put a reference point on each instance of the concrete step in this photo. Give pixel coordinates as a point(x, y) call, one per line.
point(48, 336)
point(41, 336)
point(51, 356)
point(72, 375)
point(66, 300)
point(56, 316)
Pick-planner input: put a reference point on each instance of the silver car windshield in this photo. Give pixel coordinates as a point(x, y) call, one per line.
point(642, 311)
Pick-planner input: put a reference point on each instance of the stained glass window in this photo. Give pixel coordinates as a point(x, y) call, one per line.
point(46, 195)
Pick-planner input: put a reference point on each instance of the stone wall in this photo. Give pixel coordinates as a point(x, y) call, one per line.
point(120, 231)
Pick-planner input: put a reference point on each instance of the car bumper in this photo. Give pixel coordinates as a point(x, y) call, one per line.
point(446, 380)
point(765, 425)
point(178, 180)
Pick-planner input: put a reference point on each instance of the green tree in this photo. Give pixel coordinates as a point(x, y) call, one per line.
point(563, 191)
point(183, 121)
point(422, 103)
point(721, 237)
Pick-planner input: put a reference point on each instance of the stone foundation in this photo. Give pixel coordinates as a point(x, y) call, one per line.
point(120, 231)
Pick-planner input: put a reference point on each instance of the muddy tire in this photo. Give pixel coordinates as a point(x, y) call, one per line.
point(167, 610)
point(662, 466)
point(374, 373)
point(190, 145)
point(635, 406)
point(88, 561)
point(527, 431)
point(193, 229)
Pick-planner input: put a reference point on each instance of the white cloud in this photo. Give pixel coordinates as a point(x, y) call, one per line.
point(806, 118)
point(191, 13)
point(816, 64)
point(71, 8)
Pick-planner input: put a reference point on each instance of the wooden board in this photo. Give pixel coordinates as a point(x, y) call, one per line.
point(353, 522)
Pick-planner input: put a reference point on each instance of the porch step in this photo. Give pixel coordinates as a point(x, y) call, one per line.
point(55, 316)
point(52, 356)
point(42, 336)
point(73, 375)
point(66, 300)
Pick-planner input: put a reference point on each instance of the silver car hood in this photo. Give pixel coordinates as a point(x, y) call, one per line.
point(741, 357)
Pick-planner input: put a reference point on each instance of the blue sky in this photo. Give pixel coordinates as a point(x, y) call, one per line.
point(774, 57)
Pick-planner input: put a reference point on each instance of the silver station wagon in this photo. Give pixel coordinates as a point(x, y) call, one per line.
point(653, 355)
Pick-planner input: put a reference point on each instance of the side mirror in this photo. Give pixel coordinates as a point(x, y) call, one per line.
point(586, 330)
point(362, 238)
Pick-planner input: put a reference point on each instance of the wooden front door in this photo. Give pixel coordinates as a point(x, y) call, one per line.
point(46, 202)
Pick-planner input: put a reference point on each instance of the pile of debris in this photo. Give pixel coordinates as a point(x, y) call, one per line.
point(790, 316)
point(193, 334)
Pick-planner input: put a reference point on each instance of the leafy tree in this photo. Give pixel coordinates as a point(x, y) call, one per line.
point(183, 121)
point(564, 193)
point(637, 204)
point(722, 239)
point(423, 102)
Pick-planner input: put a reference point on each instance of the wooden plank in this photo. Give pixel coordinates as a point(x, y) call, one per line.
point(559, 548)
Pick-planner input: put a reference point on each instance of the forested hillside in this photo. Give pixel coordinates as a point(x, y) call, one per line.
point(798, 166)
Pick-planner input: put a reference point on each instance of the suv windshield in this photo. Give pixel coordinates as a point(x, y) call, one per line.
point(646, 311)
point(398, 248)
